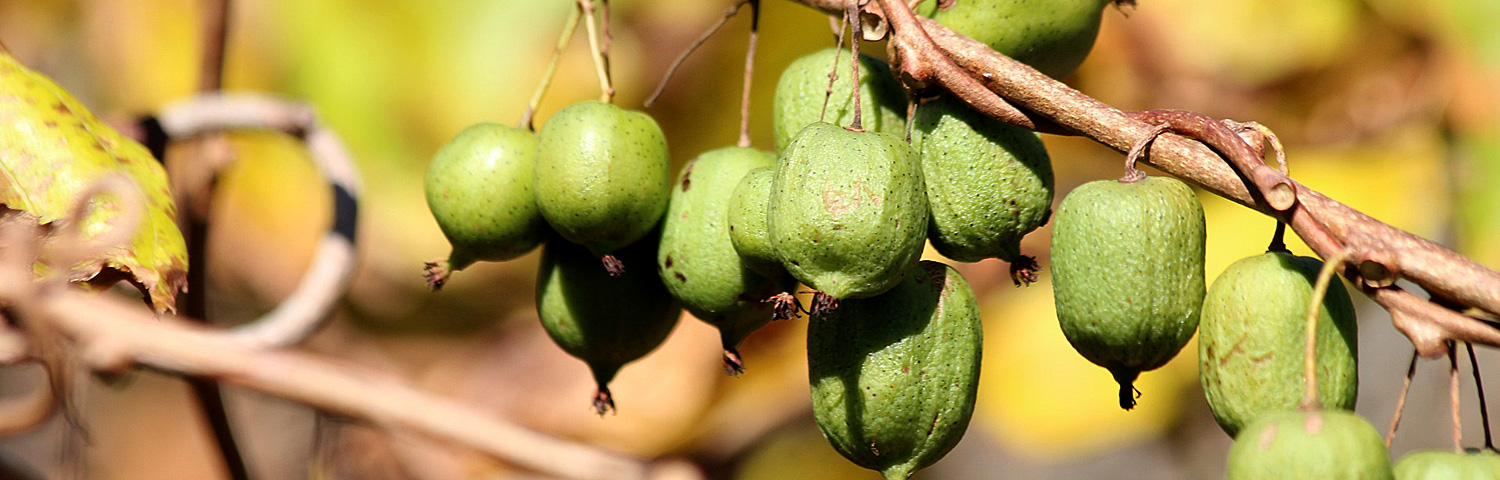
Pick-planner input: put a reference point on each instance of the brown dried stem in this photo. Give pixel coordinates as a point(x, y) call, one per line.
point(1484, 408)
point(1453, 402)
point(215, 39)
point(833, 70)
point(744, 140)
point(927, 53)
point(851, 15)
point(1411, 371)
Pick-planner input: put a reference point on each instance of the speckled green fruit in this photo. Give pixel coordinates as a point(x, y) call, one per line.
point(1053, 36)
point(1449, 465)
point(988, 183)
point(1253, 333)
point(747, 223)
point(696, 258)
point(602, 175)
point(803, 86)
point(1127, 273)
point(894, 377)
point(604, 321)
point(848, 210)
point(1321, 444)
point(479, 189)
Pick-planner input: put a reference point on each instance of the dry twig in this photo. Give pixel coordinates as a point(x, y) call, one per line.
point(111, 334)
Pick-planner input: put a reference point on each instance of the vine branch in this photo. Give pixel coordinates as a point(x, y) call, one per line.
point(109, 334)
point(926, 54)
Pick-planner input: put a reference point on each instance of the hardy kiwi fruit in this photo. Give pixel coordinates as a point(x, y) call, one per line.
point(1052, 36)
point(747, 223)
point(1321, 444)
point(604, 321)
point(1127, 273)
point(1252, 338)
point(894, 376)
point(988, 183)
point(480, 190)
point(803, 88)
point(602, 176)
point(696, 258)
point(1474, 464)
point(848, 211)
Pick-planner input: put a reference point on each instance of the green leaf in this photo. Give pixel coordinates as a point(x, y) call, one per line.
point(52, 150)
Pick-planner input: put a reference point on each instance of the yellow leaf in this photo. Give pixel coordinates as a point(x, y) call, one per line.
point(52, 150)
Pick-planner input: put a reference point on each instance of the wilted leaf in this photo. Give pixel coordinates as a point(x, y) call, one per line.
point(52, 150)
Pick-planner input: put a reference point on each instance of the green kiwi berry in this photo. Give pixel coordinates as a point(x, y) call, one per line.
point(988, 183)
point(479, 188)
point(1053, 36)
point(603, 320)
point(747, 223)
point(1321, 444)
point(602, 176)
point(1252, 340)
point(848, 211)
point(1474, 464)
point(1127, 273)
point(803, 88)
point(697, 259)
point(894, 377)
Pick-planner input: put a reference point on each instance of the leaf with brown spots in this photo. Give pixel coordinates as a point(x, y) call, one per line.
point(52, 150)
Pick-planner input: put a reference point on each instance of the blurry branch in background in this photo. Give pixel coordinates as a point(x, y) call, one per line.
point(327, 279)
point(104, 333)
point(194, 176)
point(927, 55)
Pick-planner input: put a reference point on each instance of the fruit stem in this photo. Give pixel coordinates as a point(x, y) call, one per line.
point(911, 110)
point(749, 74)
point(693, 47)
point(833, 70)
point(1278, 239)
point(1411, 371)
point(1484, 410)
point(569, 27)
point(1458, 426)
point(851, 15)
point(1133, 175)
point(1315, 304)
point(606, 39)
point(601, 65)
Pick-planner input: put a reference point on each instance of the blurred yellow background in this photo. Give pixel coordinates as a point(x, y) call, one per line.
point(1391, 106)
